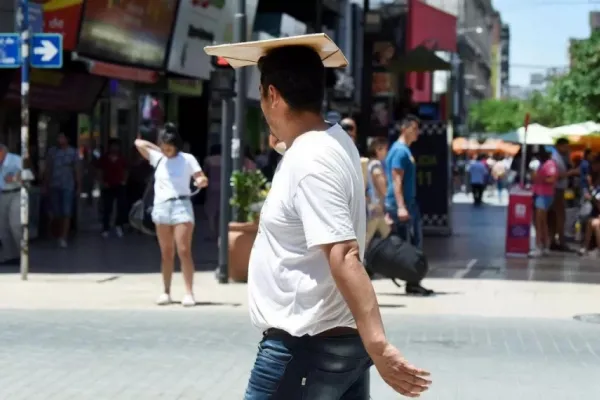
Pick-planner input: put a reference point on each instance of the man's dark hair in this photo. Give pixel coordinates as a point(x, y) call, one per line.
point(562, 141)
point(407, 121)
point(376, 143)
point(297, 72)
point(544, 155)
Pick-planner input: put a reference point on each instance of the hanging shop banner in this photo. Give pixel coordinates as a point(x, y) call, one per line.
point(130, 32)
point(63, 16)
point(197, 22)
point(432, 154)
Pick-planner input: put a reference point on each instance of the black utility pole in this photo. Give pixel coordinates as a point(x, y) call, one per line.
point(241, 89)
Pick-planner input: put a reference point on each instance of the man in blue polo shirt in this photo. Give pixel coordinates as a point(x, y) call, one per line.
point(401, 199)
point(10, 215)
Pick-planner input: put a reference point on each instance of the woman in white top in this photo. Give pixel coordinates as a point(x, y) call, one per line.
point(173, 212)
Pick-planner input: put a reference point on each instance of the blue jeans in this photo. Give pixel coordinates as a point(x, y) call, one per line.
point(413, 228)
point(310, 368)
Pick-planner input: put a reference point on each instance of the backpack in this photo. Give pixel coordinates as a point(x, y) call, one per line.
point(396, 258)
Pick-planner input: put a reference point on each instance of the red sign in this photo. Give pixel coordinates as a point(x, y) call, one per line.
point(62, 16)
point(518, 226)
point(431, 27)
point(134, 32)
point(427, 24)
point(123, 73)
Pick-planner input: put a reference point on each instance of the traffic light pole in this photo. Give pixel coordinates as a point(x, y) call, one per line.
point(241, 88)
point(224, 216)
point(25, 41)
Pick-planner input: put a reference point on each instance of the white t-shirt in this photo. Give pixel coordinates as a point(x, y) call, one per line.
point(317, 197)
point(173, 176)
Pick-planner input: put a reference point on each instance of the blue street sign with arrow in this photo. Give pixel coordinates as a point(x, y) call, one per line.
point(46, 50)
point(10, 50)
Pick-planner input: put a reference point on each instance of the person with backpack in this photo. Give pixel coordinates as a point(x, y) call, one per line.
point(173, 212)
point(401, 197)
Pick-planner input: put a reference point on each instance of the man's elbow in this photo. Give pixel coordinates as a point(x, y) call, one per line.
point(339, 254)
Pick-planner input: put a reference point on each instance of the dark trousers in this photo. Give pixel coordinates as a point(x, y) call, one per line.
point(310, 367)
point(110, 196)
point(477, 189)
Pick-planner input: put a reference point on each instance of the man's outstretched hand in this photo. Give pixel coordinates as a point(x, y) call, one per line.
point(399, 374)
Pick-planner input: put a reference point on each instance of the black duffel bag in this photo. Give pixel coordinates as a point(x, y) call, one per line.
point(396, 258)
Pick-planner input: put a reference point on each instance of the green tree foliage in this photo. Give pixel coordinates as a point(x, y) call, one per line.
point(495, 115)
point(568, 99)
point(578, 92)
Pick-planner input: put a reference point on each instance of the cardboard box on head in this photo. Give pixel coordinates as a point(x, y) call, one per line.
point(248, 53)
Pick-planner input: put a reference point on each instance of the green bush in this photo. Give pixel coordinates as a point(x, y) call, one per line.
point(249, 187)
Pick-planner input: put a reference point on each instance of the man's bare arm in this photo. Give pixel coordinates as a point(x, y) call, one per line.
point(397, 179)
point(356, 288)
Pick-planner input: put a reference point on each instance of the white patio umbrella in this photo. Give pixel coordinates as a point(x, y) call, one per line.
point(536, 134)
point(580, 129)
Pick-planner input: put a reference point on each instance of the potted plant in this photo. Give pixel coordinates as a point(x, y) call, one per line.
point(249, 192)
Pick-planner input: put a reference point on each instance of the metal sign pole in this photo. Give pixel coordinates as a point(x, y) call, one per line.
point(241, 89)
point(25, 36)
point(224, 217)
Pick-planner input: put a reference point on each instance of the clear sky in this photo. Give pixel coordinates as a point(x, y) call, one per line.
point(540, 32)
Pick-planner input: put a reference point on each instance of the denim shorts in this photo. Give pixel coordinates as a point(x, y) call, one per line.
point(543, 202)
point(173, 212)
point(61, 202)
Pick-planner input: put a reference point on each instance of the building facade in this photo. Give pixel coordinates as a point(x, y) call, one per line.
point(505, 61)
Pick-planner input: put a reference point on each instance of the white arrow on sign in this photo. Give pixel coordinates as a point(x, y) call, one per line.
point(48, 50)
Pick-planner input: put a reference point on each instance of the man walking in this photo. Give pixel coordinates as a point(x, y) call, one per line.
point(478, 176)
point(308, 291)
point(401, 199)
point(10, 215)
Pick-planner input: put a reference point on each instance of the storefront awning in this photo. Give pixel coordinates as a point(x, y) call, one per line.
point(420, 59)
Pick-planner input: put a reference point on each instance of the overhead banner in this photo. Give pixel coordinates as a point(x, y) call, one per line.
point(197, 22)
point(63, 16)
point(132, 32)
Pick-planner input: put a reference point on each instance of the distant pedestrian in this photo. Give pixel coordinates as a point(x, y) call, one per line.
point(62, 183)
point(308, 291)
point(113, 178)
point(10, 214)
point(543, 189)
point(478, 176)
point(173, 212)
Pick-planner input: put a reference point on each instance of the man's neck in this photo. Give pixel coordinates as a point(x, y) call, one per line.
point(304, 123)
point(403, 140)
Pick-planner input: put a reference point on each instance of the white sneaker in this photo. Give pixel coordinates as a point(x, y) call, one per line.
point(188, 300)
point(163, 300)
point(535, 253)
point(119, 231)
point(63, 243)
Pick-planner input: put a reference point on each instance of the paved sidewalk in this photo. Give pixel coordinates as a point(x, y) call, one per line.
point(154, 355)
point(490, 298)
